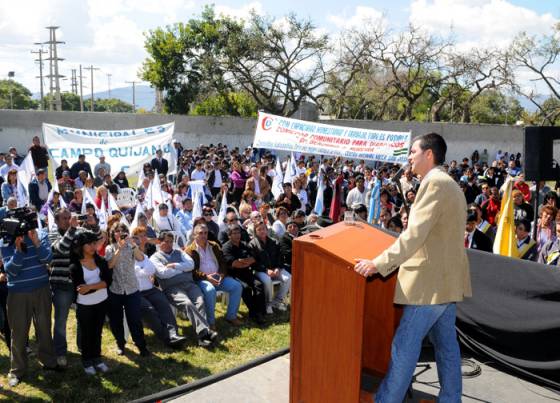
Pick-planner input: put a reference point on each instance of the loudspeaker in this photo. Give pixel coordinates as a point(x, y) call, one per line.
point(538, 150)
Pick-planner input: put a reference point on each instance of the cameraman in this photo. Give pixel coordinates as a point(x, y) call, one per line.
point(29, 298)
point(61, 284)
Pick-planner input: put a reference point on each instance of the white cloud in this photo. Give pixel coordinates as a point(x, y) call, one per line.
point(363, 16)
point(479, 22)
point(240, 13)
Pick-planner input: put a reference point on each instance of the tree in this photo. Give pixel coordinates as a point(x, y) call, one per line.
point(15, 94)
point(111, 105)
point(539, 58)
point(278, 65)
point(186, 59)
point(230, 104)
point(493, 106)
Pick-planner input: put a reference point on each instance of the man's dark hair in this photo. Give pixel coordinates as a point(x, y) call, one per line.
point(59, 212)
point(434, 142)
point(163, 235)
point(526, 224)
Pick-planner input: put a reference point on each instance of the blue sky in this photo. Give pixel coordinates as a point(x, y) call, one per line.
point(108, 33)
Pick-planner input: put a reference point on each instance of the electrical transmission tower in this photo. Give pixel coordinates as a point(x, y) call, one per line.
point(55, 101)
point(91, 70)
point(40, 52)
point(74, 82)
point(133, 93)
point(81, 91)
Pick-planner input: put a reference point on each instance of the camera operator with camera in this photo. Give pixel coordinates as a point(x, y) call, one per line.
point(26, 254)
point(61, 284)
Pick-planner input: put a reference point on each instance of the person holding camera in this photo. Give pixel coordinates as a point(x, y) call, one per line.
point(29, 298)
point(62, 289)
point(124, 292)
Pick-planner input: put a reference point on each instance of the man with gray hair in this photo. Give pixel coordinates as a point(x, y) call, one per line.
point(174, 272)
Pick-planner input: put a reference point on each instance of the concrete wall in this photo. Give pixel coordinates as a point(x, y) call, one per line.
point(18, 127)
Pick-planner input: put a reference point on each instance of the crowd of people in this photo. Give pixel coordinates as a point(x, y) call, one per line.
point(148, 258)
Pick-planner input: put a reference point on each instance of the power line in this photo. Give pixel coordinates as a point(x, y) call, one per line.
point(54, 77)
point(133, 93)
point(40, 52)
point(91, 70)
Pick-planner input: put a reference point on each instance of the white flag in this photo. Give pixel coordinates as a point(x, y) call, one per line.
point(223, 209)
point(139, 210)
point(277, 181)
point(197, 205)
point(50, 218)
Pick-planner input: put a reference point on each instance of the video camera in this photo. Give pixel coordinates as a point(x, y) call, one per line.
point(17, 222)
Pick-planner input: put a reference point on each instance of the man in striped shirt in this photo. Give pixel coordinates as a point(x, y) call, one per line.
point(29, 298)
point(61, 285)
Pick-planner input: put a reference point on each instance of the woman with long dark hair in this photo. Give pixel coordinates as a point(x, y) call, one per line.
point(91, 278)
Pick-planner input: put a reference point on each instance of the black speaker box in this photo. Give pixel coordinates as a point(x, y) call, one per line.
point(538, 150)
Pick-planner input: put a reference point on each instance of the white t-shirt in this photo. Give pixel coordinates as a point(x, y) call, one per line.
point(144, 270)
point(198, 175)
point(92, 277)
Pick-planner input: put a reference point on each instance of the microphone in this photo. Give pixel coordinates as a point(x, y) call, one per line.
point(399, 173)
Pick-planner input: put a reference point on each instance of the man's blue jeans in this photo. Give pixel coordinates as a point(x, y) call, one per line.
point(229, 285)
point(438, 322)
point(62, 300)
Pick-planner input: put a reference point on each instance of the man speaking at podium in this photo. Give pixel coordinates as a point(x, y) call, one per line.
point(433, 275)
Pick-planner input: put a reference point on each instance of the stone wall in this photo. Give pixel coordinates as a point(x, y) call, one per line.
point(18, 127)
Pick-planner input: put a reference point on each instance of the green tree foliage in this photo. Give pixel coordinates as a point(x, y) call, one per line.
point(20, 96)
point(278, 65)
point(71, 102)
point(494, 107)
point(229, 104)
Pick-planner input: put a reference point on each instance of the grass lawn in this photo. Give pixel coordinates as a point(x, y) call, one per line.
point(132, 376)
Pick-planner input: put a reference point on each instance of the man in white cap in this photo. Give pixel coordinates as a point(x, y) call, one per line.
point(102, 164)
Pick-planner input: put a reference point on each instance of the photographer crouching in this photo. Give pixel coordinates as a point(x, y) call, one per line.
point(26, 254)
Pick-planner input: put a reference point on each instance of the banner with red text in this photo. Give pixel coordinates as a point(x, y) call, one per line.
point(280, 133)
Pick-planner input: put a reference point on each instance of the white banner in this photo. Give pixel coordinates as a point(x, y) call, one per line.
point(124, 150)
point(280, 133)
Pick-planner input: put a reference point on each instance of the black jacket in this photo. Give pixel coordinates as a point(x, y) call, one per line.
point(162, 167)
point(286, 251)
point(481, 241)
point(265, 254)
point(77, 273)
point(212, 177)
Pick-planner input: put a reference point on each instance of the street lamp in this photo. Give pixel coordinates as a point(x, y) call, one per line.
point(11, 76)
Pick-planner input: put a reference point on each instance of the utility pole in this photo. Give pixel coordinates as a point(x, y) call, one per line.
point(91, 70)
point(133, 94)
point(54, 87)
point(81, 91)
point(11, 76)
point(109, 84)
point(40, 52)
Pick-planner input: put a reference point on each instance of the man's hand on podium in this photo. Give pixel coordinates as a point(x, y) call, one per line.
point(365, 267)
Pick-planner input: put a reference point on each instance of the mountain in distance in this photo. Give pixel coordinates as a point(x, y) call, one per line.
point(145, 96)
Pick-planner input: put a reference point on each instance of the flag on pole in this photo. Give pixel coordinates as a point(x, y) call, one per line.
point(223, 208)
point(139, 210)
point(113, 206)
point(320, 200)
point(334, 213)
point(198, 202)
point(140, 178)
point(291, 170)
point(154, 196)
point(102, 216)
point(277, 181)
point(50, 219)
point(505, 243)
point(87, 199)
point(374, 210)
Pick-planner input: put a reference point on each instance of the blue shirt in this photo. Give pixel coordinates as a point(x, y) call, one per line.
point(28, 271)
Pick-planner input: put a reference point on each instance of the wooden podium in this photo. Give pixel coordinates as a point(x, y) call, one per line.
point(341, 324)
